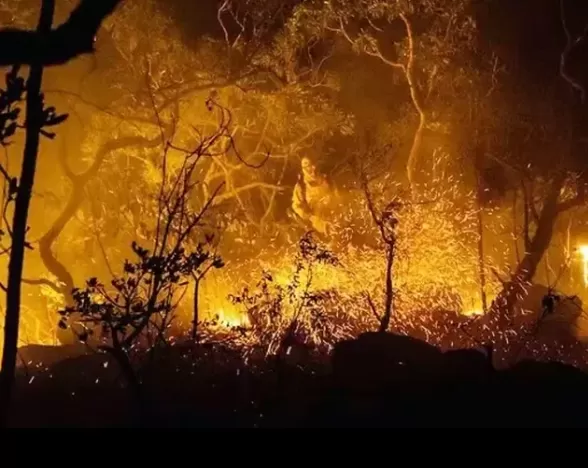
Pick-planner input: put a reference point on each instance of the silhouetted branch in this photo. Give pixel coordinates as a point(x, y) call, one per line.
point(386, 221)
point(73, 38)
point(373, 307)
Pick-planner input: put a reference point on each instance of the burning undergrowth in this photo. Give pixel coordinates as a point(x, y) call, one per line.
point(317, 291)
point(321, 288)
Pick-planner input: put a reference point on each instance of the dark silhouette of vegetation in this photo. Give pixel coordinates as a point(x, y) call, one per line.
point(38, 117)
point(386, 221)
point(376, 380)
point(49, 47)
point(131, 318)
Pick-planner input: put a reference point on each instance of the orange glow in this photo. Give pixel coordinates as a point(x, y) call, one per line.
point(436, 265)
point(231, 318)
point(583, 249)
point(473, 312)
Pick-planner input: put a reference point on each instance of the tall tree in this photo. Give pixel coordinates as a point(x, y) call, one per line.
point(37, 117)
point(533, 138)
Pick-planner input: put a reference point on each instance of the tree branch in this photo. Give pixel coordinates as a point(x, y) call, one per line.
point(73, 38)
point(44, 282)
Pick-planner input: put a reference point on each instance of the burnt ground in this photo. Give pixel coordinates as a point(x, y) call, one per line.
point(373, 381)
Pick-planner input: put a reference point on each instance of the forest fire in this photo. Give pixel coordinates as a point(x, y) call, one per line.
point(265, 175)
point(443, 256)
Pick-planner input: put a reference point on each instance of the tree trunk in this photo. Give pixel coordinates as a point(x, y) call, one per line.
point(139, 402)
point(503, 306)
point(539, 244)
point(481, 261)
point(412, 164)
point(34, 123)
point(389, 299)
point(196, 312)
point(76, 198)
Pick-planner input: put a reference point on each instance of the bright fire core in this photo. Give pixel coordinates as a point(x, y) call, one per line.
point(583, 249)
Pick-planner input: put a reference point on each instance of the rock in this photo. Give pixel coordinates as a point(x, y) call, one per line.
point(468, 364)
point(40, 356)
point(384, 361)
point(535, 394)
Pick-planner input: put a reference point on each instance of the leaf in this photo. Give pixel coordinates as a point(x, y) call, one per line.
point(52, 121)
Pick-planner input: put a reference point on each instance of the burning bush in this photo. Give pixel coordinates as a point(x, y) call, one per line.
point(295, 312)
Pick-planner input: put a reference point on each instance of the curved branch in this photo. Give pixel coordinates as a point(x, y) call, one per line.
point(43, 282)
point(76, 198)
point(73, 38)
point(411, 164)
point(370, 47)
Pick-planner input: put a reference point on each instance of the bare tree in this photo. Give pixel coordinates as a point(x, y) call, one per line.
point(386, 222)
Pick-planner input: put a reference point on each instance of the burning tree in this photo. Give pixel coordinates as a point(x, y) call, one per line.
point(423, 57)
point(535, 123)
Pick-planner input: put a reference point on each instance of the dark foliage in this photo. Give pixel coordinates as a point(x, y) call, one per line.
point(143, 297)
point(73, 38)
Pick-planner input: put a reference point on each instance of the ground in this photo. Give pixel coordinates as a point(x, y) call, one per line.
point(376, 380)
